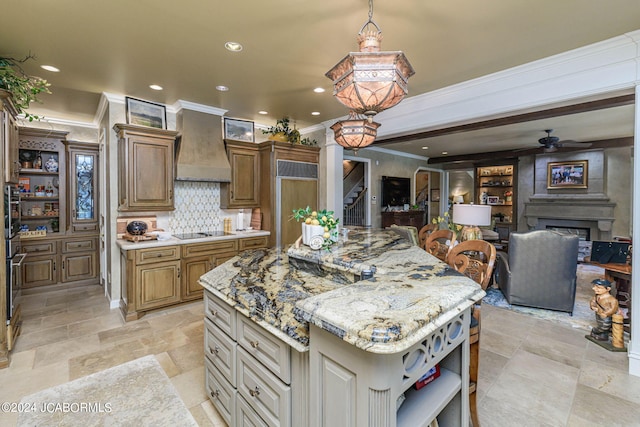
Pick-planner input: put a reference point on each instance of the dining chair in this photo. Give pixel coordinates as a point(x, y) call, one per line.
point(475, 259)
point(439, 243)
point(424, 233)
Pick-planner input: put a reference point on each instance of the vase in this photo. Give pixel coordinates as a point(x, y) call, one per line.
point(308, 231)
point(278, 137)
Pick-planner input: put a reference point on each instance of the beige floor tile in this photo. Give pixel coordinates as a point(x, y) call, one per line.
point(190, 386)
point(175, 319)
point(128, 332)
point(38, 379)
point(212, 414)
point(68, 317)
point(31, 340)
point(110, 320)
point(188, 357)
point(62, 351)
point(167, 364)
point(551, 348)
point(499, 342)
point(611, 381)
point(104, 358)
point(559, 376)
point(595, 406)
point(490, 366)
point(597, 354)
point(20, 362)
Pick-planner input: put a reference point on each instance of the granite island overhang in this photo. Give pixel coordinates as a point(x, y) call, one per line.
point(411, 294)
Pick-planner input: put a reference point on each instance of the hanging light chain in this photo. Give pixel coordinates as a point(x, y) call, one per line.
point(370, 21)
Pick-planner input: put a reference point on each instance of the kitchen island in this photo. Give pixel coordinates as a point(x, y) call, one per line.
point(295, 338)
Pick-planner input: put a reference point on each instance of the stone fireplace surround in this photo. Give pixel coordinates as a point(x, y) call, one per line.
point(590, 211)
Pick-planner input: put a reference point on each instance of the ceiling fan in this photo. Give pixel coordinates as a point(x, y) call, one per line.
point(552, 143)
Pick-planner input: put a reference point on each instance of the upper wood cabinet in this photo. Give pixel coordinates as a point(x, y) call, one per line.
point(9, 138)
point(496, 185)
point(243, 190)
point(146, 169)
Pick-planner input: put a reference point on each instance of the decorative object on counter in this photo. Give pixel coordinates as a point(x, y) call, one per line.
point(145, 113)
point(317, 223)
point(137, 228)
point(238, 130)
point(51, 165)
point(24, 88)
point(471, 216)
point(227, 225)
point(55, 225)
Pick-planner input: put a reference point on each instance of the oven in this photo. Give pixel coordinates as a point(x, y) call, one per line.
point(12, 241)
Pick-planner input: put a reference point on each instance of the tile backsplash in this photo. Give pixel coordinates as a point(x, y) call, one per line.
point(197, 208)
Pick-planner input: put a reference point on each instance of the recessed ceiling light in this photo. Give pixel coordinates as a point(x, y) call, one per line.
point(233, 46)
point(50, 68)
point(263, 112)
point(425, 148)
point(155, 87)
point(222, 88)
point(315, 113)
point(444, 153)
point(318, 90)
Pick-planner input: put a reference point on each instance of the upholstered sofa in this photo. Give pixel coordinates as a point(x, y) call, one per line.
point(539, 270)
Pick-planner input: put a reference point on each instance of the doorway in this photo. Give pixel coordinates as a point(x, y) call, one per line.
point(356, 203)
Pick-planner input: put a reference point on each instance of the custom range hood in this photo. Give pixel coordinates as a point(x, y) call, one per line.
point(200, 151)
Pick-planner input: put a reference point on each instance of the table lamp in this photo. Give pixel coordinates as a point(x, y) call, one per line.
point(471, 216)
point(458, 199)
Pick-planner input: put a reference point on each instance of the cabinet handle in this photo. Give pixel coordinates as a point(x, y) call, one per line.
point(214, 350)
point(54, 265)
point(255, 392)
point(215, 394)
point(254, 344)
point(213, 312)
point(178, 272)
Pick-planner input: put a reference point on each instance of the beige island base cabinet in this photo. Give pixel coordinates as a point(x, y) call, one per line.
point(254, 378)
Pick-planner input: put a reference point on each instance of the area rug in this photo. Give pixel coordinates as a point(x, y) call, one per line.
point(583, 316)
point(136, 393)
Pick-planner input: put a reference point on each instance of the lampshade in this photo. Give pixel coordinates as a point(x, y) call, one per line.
point(370, 81)
point(472, 214)
point(458, 199)
point(355, 132)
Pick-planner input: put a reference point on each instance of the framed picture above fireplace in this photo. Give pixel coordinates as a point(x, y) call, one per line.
point(572, 174)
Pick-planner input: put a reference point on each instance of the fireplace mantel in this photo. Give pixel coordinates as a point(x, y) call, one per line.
point(593, 211)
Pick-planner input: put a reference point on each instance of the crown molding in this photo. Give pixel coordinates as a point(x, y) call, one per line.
point(188, 105)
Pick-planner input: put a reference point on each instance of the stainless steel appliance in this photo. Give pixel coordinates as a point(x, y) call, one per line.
point(12, 241)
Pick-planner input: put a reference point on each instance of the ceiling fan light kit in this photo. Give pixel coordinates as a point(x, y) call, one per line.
point(368, 81)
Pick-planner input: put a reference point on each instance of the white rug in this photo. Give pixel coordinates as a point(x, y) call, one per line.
point(136, 393)
point(583, 316)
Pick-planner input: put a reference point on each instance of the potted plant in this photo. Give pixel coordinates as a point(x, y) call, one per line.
point(317, 223)
point(23, 88)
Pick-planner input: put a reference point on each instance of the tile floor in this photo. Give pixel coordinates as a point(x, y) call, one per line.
point(532, 372)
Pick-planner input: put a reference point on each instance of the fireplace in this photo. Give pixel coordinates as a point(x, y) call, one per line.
point(594, 214)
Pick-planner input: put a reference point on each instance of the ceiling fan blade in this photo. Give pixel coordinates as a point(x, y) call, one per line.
point(574, 144)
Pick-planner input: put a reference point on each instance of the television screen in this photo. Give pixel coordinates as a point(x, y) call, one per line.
point(395, 191)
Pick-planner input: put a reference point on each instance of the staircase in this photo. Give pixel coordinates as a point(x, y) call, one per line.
point(354, 194)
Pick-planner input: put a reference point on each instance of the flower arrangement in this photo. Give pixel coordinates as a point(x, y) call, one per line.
point(323, 218)
point(445, 222)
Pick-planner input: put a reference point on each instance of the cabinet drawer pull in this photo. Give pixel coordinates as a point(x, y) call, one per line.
point(215, 394)
point(255, 392)
point(213, 312)
point(214, 350)
point(254, 344)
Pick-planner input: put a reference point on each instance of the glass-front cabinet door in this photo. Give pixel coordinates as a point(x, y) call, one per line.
point(83, 183)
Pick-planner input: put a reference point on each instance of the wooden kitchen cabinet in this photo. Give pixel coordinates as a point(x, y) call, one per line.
point(243, 190)
point(413, 218)
point(40, 266)
point(79, 259)
point(496, 185)
point(146, 169)
point(9, 138)
point(83, 187)
point(199, 258)
point(150, 278)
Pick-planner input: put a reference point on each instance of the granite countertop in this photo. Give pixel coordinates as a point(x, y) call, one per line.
point(411, 294)
point(126, 245)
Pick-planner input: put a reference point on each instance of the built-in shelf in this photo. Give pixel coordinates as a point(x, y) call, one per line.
point(422, 406)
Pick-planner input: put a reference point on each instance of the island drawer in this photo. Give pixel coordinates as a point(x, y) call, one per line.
point(220, 392)
point(267, 349)
point(220, 314)
point(253, 243)
point(151, 255)
point(267, 395)
point(246, 416)
point(196, 249)
point(221, 351)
